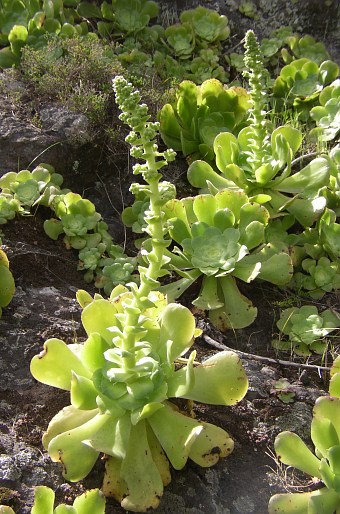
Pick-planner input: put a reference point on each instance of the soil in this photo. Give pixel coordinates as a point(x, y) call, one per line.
point(44, 306)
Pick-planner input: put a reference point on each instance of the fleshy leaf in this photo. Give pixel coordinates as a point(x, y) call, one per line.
point(177, 325)
point(325, 427)
point(211, 444)
point(43, 500)
point(297, 503)
point(92, 501)
point(208, 297)
point(237, 312)
point(176, 434)
point(140, 473)
point(312, 177)
point(220, 380)
point(55, 364)
point(98, 316)
point(292, 451)
point(68, 448)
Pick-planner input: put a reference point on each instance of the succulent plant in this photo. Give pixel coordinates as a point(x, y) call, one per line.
point(92, 501)
point(327, 114)
point(270, 49)
point(119, 270)
point(131, 16)
point(209, 27)
point(321, 276)
point(29, 22)
point(32, 187)
point(200, 113)
point(77, 216)
point(9, 206)
point(134, 215)
point(7, 285)
point(306, 329)
point(248, 9)
point(222, 237)
point(324, 465)
point(259, 159)
point(205, 67)
point(301, 82)
point(180, 39)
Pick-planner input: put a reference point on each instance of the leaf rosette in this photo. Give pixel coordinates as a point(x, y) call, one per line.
point(321, 276)
point(31, 188)
point(306, 329)
point(208, 25)
point(9, 206)
point(119, 399)
point(223, 238)
point(212, 251)
point(200, 114)
point(327, 114)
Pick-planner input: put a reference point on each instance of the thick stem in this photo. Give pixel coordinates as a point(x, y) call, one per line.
point(155, 257)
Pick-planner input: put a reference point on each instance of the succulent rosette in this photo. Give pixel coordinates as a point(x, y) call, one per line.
point(120, 399)
point(306, 329)
point(212, 251)
point(31, 187)
point(223, 238)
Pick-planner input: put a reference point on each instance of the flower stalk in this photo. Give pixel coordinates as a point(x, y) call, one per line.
point(142, 138)
point(256, 74)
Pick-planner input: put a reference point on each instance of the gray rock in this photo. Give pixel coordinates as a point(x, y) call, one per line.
point(53, 133)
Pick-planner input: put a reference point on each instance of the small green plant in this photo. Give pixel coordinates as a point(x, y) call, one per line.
point(191, 48)
point(206, 66)
point(92, 501)
point(305, 329)
point(180, 39)
point(300, 84)
point(9, 206)
point(282, 389)
point(304, 47)
point(327, 114)
point(7, 284)
point(122, 378)
point(131, 16)
point(20, 191)
point(270, 48)
point(323, 465)
point(199, 114)
point(75, 217)
point(249, 9)
point(318, 276)
point(222, 237)
point(259, 160)
point(209, 27)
